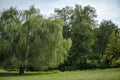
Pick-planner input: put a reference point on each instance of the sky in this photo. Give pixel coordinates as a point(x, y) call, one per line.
point(105, 9)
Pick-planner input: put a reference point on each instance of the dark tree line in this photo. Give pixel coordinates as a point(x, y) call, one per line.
point(92, 43)
point(70, 40)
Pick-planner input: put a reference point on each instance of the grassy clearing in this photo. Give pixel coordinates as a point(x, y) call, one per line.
point(108, 74)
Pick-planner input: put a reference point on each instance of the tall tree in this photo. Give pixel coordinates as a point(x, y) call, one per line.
point(103, 35)
point(113, 47)
point(65, 14)
point(28, 39)
point(82, 24)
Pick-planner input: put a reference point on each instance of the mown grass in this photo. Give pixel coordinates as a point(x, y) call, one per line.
point(107, 74)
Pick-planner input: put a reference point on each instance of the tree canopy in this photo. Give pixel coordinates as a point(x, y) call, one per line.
point(72, 39)
point(29, 40)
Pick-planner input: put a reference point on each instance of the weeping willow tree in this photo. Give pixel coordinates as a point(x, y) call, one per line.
point(29, 39)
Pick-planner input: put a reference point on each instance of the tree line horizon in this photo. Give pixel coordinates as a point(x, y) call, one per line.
point(70, 39)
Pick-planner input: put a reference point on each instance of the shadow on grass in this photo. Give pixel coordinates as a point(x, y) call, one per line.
point(13, 74)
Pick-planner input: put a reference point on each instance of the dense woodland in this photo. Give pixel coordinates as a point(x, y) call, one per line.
point(70, 39)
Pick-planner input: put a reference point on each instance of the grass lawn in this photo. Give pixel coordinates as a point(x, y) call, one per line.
point(107, 74)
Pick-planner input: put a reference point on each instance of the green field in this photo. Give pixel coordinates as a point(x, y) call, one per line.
point(107, 74)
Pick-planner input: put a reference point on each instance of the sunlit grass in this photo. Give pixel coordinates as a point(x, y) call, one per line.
point(107, 74)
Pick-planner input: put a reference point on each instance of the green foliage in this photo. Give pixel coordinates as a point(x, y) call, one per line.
point(28, 39)
point(88, 40)
point(65, 14)
point(116, 63)
point(82, 21)
point(113, 47)
point(103, 35)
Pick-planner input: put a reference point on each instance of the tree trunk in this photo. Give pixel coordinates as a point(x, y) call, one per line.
point(21, 70)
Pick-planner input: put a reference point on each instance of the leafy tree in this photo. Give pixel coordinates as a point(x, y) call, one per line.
point(65, 14)
point(103, 35)
point(28, 39)
point(81, 21)
point(113, 48)
point(82, 36)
